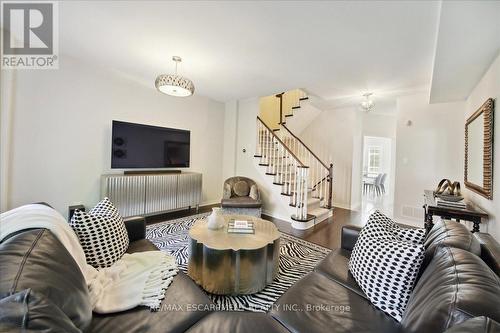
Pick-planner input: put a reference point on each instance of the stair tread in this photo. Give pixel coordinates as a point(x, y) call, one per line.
point(319, 211)
point(310, 201)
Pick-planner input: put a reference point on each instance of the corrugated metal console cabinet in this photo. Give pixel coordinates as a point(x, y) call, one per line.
point(148, 194)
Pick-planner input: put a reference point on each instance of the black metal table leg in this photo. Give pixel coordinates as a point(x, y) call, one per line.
point(475, 227)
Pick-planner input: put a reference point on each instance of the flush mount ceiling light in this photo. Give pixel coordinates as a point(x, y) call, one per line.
point(368, 104)
point(174, 84)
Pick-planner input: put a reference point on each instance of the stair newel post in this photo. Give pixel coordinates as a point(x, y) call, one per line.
point(301, 202)
point(317, 177)
point(298, 190)
point(330, 186)
point(321, 185)
point(304, 198)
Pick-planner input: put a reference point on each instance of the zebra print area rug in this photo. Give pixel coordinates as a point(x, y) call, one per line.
point(297, 258)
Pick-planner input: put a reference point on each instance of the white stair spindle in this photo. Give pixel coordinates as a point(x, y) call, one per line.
point(288, 172)
point(268, 149)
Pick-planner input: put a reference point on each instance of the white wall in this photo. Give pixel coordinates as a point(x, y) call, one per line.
point(61, 132)
point(379, 125)
point(489, 86)
point(335, 136)
point(7, 83)
point(427, 151)
point(230, 138)
point(245, 162)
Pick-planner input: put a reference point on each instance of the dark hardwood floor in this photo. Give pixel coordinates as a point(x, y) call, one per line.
point(326, 233)
point(178, 214)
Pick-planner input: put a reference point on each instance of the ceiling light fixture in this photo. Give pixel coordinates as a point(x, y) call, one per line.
point(174, 84)
point(368, 104)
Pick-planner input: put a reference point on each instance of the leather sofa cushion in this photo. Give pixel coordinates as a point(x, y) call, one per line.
point(241, 202)
point(457, 285)
point(477, 325)
point(35, 259)
point(30, 312)
point(136, 227)
point(490, 251)
point(349, 236)
point(237, 322)
point(184, 304)
point(335, 267)
point(317, 304)
point(450, 233)
point(141, 245)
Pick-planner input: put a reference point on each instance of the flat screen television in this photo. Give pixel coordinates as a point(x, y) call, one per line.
point(144, 146)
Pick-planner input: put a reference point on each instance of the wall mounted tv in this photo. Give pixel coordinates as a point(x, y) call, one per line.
point(144, 146)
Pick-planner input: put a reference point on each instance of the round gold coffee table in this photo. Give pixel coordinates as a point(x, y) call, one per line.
point(223, 263)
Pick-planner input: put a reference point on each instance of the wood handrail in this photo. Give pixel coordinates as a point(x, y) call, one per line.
point(308, 149)
point(281, 142)
point(327, 177)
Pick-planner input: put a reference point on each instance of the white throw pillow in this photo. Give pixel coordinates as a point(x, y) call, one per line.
point(254, 192)
point(385, 267)
point(102, 234)
point(415, 235)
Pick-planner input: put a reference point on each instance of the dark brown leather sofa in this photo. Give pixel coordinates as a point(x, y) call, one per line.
point(42, 289)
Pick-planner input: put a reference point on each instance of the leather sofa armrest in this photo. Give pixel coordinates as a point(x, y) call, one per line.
point(136, 227)
point(490, 250)
point(349, 237)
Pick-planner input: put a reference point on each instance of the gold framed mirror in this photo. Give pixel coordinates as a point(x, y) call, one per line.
point(478, 173)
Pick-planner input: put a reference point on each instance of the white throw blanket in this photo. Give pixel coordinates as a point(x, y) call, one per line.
point(136, 279)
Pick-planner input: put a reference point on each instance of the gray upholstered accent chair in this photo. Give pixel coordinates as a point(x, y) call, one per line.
point(241, 196)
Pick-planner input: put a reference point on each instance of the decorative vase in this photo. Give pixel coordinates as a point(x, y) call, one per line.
point(216, 219)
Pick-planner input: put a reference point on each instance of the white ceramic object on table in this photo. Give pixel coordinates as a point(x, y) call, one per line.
point(216, 219)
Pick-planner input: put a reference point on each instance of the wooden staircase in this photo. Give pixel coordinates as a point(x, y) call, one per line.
point(302, 176)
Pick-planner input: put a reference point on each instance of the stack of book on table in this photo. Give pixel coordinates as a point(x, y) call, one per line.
point(451, 204)
point(240, 227)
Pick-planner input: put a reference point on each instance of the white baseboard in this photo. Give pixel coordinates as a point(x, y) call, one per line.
point(277, 216)
point(342, 205)
point(209, 203)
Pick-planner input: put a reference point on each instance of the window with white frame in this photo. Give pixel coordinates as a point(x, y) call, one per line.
point(374, 159)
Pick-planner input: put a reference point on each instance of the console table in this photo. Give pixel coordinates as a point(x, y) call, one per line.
point(148, 194)
point(470, 213)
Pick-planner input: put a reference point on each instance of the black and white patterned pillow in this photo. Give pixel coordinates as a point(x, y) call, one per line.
point(414, 235)
point(379, 226)
point(386, 270)
point(105, 207)
point(102, 234)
